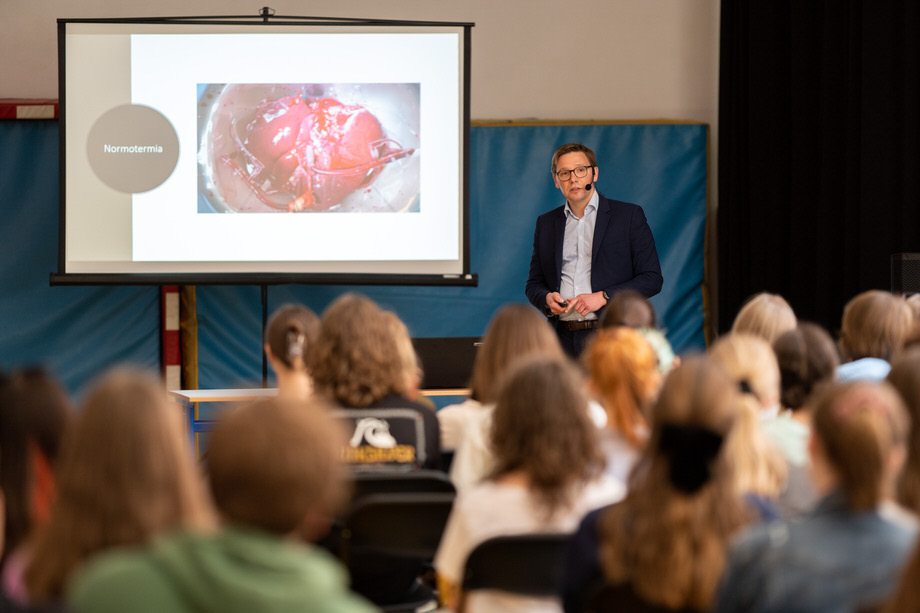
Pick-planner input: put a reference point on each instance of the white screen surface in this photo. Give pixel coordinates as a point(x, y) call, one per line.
point(263, 149)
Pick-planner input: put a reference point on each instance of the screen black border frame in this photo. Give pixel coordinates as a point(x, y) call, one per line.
point(266, 16)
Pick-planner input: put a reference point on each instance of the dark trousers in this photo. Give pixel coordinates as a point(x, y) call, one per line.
point(573, 341)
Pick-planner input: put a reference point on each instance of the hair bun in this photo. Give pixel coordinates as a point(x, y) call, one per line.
point(690, 450)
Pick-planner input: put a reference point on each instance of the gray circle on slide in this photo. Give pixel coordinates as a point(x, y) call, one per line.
point(132, 148)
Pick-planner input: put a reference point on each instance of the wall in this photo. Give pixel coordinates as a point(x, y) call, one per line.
point(594, 59)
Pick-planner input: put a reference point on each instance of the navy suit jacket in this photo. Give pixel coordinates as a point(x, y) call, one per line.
point(623, 254)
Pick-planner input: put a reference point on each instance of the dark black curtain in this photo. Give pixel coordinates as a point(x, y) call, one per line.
point(819, 150)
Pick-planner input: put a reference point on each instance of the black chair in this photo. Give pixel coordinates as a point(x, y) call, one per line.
point(388, 541)
point(401, 482)
point(525, 564)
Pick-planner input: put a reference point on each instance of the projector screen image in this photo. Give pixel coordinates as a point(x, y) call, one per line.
point(245, 149)
point(341, 147)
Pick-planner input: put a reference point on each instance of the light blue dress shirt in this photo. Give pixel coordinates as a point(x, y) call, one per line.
point(576, 255)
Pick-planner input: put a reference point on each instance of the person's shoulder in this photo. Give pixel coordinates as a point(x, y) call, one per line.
point(120, 580)
point(552, 214)
point(758, 538)
point(396, 401)
point(616, 205)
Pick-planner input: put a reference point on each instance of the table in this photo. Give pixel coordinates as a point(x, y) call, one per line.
point(189, 399)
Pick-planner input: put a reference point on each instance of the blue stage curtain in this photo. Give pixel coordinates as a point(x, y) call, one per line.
point(79, 331)
point(74, 332)
point(661, 166)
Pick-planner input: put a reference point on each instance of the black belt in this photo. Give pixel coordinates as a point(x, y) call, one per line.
point(584, 324)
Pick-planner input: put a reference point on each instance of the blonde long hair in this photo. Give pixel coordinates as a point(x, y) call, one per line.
point(668, 538)
point(760, 467)
point(126, 475)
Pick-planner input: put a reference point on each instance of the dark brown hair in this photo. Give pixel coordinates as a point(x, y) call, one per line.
point(907, 594)
point(290, 332)
point(807, 358)
point(627, 307)
point(35, 411)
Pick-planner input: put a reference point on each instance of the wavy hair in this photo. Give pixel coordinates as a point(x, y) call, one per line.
point(540, 426)
point(669, 542)
point(357, 358)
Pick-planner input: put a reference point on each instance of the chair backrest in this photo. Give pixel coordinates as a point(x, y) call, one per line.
point(528, 564)
point(387, 541)
point(384, 438)
point(399, 524)
point(401, 482)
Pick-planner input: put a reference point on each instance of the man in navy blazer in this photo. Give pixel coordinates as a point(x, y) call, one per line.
point(586, 250)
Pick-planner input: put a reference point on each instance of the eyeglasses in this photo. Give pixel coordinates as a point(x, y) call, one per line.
point(578, 171)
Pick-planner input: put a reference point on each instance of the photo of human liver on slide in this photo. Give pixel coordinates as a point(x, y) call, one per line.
point(308, 147)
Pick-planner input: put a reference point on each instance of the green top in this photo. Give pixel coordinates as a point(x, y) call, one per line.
point(236, 570)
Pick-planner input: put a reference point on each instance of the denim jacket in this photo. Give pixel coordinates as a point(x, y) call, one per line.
point(829, 560)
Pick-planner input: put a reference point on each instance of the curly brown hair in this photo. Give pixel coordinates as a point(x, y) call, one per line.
point(357, 358)
point(670, 545)
point(540, 426)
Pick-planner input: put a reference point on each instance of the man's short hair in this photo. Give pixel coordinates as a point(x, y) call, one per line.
point(573, 148)
point(273, 462)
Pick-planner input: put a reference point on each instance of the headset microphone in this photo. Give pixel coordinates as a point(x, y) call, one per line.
point(588, 187)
